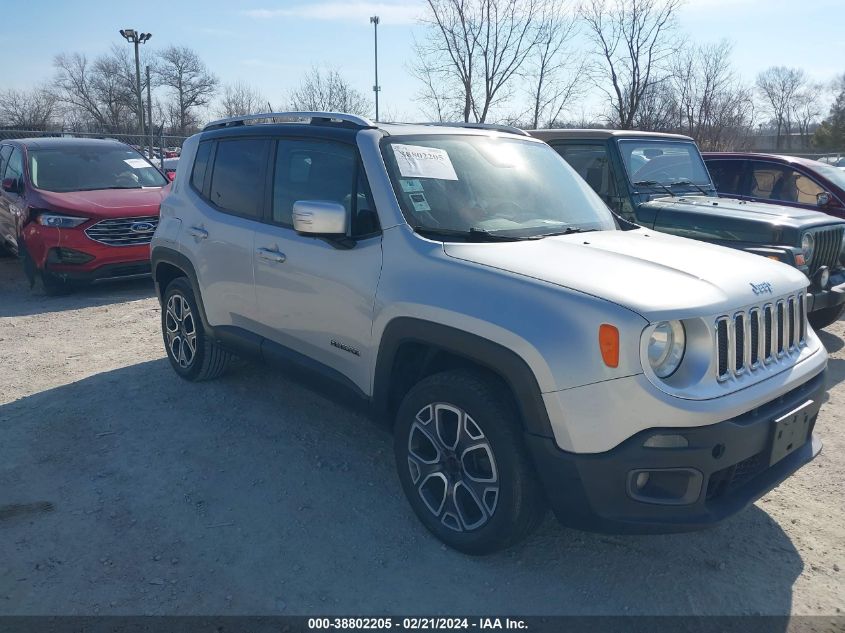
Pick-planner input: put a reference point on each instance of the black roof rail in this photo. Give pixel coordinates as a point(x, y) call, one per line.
point(318, 118)
point(495, 127)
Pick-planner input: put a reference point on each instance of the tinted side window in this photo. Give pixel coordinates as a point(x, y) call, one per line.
point(237, 179)
point(592, 163)
point(4, 156)
point(778, 182)
point(312, 170)
point(14, 168)
point(200, 164)
point(727, 175)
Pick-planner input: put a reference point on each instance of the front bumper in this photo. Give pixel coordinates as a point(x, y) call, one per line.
point(592, 491)
point(818, 299)
point(95, 261)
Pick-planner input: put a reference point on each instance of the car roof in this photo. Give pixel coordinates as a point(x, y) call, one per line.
point(598, 133)
point(780, 158)
point(55, 142)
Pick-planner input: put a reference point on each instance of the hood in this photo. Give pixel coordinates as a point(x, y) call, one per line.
point(105, 203)
point(727, 209)
point(656, 275)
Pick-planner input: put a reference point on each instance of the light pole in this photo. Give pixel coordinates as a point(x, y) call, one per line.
point(376, 88)
point(134, 37)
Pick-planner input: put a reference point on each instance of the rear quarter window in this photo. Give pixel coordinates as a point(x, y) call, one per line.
point(200, 166)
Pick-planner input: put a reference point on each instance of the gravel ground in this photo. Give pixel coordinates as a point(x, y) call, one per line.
point(124, 490)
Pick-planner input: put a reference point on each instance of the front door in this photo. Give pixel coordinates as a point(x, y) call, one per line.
point(315, 296)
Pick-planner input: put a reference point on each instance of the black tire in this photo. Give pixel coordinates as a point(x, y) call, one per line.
point(207, 360)
point(54, 285)
point(827, 316)
point(505, 516)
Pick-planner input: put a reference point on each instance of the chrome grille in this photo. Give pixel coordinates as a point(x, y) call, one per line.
point(124, 231)
point(826, 251)
point(760, 336)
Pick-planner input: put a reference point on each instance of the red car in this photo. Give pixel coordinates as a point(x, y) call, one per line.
point(78, 210)
point(786, 180)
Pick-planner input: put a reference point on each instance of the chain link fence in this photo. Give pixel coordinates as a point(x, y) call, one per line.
point(159, 148)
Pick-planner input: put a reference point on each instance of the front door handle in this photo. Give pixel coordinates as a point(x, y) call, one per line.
point(199, 232)
point(271, 255)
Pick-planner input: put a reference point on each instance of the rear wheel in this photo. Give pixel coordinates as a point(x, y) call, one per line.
point(192, 354)
point(463, 465)
point(822, 318)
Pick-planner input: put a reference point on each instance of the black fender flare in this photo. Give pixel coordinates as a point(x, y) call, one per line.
point(494, 357)
point(164, 255)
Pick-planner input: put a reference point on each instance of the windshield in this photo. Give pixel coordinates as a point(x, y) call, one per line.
point(94, 167)
point(490, 185)
point(834, 174)
point(663, 162)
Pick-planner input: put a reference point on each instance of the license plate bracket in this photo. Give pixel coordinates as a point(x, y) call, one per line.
point(790, 431)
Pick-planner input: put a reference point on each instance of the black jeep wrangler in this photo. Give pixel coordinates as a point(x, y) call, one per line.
point(660, 181)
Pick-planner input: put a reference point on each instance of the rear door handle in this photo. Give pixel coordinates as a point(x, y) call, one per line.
point(271, 255)
point(199, 232)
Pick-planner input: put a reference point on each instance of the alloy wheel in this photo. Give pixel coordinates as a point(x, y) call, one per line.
point(452, 467)
point(180, 330)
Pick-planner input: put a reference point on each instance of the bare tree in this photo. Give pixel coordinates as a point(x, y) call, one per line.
point(779, 88)
point(554, 73)
point(75, 89)
point(807, 109)
point(27, 109)
point(328, 91)
point(711, 104)
point(632, 43)
point(240, 98)
point(191, 85)
point(474, 49)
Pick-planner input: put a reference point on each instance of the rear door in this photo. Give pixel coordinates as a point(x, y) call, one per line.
point(316, 296)
point(228, 190)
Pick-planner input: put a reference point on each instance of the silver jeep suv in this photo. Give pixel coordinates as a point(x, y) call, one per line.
point(527, 347)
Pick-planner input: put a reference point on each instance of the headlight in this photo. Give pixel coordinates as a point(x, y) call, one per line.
point(666, 348)
point(58, 221)
point(808, 244)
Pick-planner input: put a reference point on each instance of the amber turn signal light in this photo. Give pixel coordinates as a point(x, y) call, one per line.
point(609, 344)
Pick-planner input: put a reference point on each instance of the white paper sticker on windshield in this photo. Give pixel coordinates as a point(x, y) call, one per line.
point(423, 162)
point(136, 163)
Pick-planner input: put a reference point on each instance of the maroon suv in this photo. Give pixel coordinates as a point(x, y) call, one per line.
point(788, 180)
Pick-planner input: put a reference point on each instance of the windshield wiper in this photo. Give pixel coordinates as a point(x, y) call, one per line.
point(654, 183)
point(472, 235)
point(569, 230)
point(689, 183)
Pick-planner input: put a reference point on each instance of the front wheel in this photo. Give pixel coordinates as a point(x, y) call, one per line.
point(463, 465)
point(827, 316)
point(192, 354)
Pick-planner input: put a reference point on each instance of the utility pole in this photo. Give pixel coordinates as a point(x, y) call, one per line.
point(150, 111)
point(376, 88)
point(134, 37)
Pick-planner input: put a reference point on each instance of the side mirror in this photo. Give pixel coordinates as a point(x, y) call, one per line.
point(319, 217)
point(822, 199)
point(171, 175)
point(10, 185)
